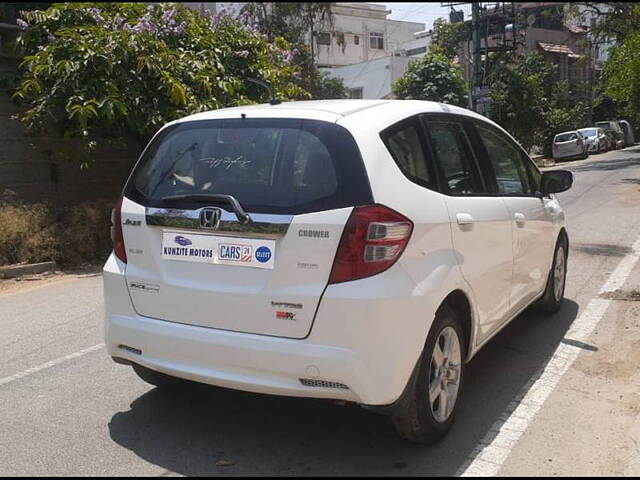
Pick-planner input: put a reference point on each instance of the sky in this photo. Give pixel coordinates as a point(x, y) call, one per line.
point(421, 12)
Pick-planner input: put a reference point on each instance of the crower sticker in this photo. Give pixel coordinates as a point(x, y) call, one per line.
point(235, 253)
point(263, 254)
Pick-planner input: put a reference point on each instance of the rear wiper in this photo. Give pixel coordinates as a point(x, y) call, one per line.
point(241, 214)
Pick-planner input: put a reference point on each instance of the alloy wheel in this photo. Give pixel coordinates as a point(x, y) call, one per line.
point(559, 274)
point(444, 374)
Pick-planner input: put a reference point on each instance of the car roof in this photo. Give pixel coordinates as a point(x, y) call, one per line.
point(564, 133)
point(357, 115)
point(333, 110)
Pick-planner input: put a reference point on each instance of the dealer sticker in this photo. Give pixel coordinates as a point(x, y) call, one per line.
point(203, 248)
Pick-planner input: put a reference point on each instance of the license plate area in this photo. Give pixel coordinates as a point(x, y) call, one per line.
point(217, 249)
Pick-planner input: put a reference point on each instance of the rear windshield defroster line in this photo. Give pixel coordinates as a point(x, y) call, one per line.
point(279, 166)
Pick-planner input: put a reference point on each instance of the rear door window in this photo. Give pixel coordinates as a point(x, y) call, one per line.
point(453, 154)
point(566, 137)
point(287, 166)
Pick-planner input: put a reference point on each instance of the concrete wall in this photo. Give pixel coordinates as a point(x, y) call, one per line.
point(32, 168)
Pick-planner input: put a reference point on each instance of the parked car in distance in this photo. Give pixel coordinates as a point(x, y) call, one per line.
point(613, 127)
point(568, 145)
point(610, 140)
point(595, 139)
point(354, 250)
point(628, 133)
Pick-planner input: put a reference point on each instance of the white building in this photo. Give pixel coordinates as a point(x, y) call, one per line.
point(372, 79)
point(361, 32)
point(418, 47)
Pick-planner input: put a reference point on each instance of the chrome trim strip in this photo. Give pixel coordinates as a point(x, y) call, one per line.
point(263, 226)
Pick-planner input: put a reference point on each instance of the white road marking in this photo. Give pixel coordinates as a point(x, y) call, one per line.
point(52, 363)
point(494, 448)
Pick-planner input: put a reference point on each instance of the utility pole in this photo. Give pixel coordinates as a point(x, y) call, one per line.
point(475, 40)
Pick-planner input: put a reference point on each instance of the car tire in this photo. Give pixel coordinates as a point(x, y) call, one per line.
point(158, 379)
point(551, 301)
point(428, 413)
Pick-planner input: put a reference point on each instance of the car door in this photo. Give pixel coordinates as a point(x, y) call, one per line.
point(480, 222)
point(517, 182)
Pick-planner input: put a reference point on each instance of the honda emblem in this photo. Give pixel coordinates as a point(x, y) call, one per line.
point(210, 218)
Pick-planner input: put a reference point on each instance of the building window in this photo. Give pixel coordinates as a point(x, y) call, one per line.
point(355, 92)
point(376, 41)
point(324, 38)
point(416, 51)
point(356, 40)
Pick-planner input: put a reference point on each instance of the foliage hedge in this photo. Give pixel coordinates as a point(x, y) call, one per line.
point(115, 69)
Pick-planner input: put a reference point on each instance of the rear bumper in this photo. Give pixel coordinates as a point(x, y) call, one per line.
point(229, 359)
point(568, 156)
point(354, 342)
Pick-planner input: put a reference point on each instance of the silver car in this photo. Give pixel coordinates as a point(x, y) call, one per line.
point(568, 145)
point(595, 138)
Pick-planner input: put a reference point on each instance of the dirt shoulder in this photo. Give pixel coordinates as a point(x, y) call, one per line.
point(30, 282)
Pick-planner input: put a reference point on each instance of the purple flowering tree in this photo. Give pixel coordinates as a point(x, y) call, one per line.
point(125, 69)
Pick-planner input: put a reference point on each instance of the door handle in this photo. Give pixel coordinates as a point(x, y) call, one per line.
point(464, 219)
point(519, 217)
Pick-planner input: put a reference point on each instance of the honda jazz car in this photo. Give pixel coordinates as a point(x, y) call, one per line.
point(354, 250)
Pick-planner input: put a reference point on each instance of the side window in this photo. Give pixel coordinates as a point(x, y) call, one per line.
point(508, 165)
point(454, 156)
point(405, 147)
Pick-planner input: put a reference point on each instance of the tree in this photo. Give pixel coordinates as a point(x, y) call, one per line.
point(622, 75)
point(614, 20)
point(298, 23)
point(449, 37)
point(528, 101)
point(291, 20)
point(519, 95)
point(433, 77)
point(119, 69)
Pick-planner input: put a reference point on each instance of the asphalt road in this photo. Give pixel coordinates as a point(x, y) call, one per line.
point(67, 409)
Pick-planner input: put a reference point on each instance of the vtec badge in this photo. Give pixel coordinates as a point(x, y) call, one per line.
point(180, 240)
point(263, 254)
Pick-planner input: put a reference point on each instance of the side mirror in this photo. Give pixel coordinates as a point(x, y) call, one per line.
point(555, 181)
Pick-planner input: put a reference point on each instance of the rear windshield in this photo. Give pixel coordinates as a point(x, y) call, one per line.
point(590, 132)
point(287, 166)
point(565, 137)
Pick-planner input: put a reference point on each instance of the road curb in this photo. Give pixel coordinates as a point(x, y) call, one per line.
point(11, 271)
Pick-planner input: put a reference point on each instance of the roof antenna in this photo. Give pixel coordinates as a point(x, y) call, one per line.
point(274, 100)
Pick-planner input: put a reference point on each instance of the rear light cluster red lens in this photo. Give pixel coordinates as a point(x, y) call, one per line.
point(116, 231)
point(373, 239)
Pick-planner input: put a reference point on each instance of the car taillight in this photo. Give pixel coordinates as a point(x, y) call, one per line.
point(373, 239)
point(116, 231)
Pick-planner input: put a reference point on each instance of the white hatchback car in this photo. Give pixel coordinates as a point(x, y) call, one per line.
point(358, 250)
point(569, 145)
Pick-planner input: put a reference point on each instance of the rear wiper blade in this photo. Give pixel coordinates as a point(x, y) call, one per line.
point(241, 214)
